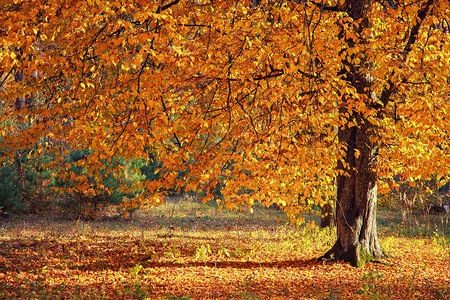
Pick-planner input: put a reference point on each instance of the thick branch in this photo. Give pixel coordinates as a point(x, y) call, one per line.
point(413, 34)
point(421, 14)
point(336, 8)
point(274, 73)
point(323, 7)
point(167, 6)
point(387, 92)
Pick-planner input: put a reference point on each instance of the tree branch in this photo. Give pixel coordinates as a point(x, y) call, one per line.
point(93, 40)
point(413, 34)
point(6, 77)
point(421, 14)
point(167, 6)
point(336, 8)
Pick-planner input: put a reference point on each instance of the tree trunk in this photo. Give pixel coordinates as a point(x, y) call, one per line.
point(327, 216)
point(356, 201)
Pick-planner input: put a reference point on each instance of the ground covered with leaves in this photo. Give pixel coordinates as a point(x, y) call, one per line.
point(190, 251)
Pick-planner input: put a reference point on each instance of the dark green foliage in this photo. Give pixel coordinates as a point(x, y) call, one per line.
point(30, 185)
point(10, 191)
point(217, 193)
point(444, 191)
point(108, 188)
point(152, 169)
point(38, 186)
point(148, 167)
point(26, 185)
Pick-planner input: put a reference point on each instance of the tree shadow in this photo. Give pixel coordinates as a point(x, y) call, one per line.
point(235, 264)
point(21, 255)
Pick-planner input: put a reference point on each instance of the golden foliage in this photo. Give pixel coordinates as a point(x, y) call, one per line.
point(242, 93)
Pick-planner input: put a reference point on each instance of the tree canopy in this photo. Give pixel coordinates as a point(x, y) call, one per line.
point(253, 96)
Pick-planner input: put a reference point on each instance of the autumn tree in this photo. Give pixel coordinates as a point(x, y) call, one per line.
point(273, 100)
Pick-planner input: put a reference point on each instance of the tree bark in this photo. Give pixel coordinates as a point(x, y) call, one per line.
point(356, 201)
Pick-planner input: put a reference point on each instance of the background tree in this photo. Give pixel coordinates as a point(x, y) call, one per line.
point(247, 94)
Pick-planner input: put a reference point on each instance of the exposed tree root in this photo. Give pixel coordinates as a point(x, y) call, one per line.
point(356, 255)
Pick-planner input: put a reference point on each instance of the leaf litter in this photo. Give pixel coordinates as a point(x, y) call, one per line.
point(127, 261)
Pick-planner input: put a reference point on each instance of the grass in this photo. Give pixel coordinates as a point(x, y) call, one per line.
point(188, 250)
point(412, 223)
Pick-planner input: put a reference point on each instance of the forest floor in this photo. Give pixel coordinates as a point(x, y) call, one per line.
point(188, 250)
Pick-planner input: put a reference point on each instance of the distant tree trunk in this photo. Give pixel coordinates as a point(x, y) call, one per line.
point(328, 216)
point(356, 201)
point(21, 176)
point(328, 211)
